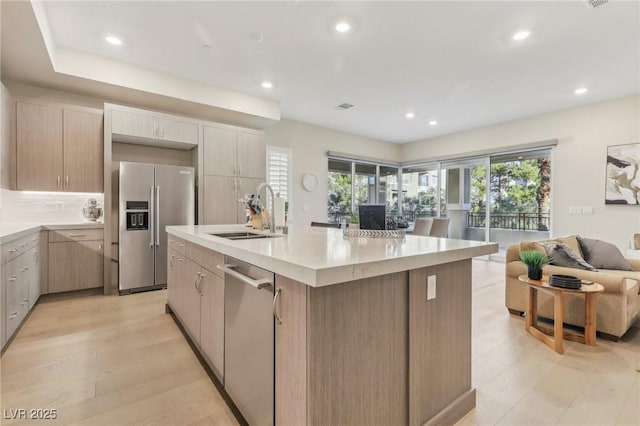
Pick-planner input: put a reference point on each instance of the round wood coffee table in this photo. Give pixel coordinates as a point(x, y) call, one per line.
point(543, 333)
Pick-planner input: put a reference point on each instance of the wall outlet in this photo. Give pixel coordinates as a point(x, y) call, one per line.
point(587, 210)
point(431, 287)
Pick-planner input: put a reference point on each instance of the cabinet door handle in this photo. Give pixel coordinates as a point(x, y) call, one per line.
point(197, 281)
point(13, 278)
point(200, 284)
point(275, 305)
point(161, 131)
point(77, 235)
point(59, 181)
point(100, 247)
point(66, 181)
point(173, 256)
point(13, 315)
point(13, 250)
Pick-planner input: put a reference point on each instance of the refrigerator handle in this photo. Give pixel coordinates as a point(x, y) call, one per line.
point(157, 216)
point(151, 221)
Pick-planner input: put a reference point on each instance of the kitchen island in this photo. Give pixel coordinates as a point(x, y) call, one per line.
point(361, 337)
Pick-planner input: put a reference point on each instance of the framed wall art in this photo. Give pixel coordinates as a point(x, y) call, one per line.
point(623, 175)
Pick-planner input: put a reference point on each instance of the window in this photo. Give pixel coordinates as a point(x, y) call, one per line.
point(279, 170)
point(339, 186)
point(353, 183)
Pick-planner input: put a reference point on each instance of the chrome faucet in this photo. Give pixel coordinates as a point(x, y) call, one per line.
point(272, 225)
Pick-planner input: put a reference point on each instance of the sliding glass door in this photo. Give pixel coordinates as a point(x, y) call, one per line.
point(520, 199)
point(420, 187)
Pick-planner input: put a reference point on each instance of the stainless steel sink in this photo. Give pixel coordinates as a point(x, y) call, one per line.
point(241, 235)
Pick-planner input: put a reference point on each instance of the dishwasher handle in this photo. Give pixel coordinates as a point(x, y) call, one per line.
point(259, 284)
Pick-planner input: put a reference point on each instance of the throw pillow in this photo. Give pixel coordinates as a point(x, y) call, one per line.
point(560, 254)
point(571, 241)
point(532, 246)
point(603, 255)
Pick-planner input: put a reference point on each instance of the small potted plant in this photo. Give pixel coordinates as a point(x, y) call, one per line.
point(534, 260)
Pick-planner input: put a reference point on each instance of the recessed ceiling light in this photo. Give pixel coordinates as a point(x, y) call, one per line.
point(521, 35)
point(409, 115)
point(113, 40)
point(343, 27)
point(267, 84)
point(433, 123)
point(580, 91)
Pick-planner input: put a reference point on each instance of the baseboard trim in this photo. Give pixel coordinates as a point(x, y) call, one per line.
point(454, 411)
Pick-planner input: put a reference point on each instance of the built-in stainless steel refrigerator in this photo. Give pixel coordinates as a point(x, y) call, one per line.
point(152, 196)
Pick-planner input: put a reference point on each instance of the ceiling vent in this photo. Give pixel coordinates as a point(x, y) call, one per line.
point(344, 107)
point(596, 3)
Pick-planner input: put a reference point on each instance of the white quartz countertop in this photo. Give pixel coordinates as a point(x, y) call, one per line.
point(12, 231)
point(323, 256)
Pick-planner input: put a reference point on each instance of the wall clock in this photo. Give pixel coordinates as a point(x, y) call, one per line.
point(309, 181)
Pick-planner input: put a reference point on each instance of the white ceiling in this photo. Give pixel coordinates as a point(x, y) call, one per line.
point(450, 61)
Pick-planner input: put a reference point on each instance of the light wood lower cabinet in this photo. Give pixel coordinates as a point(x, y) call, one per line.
point(212, 320)
point(20, 288)
point(191, 312)
point(196, 296)
point(74, 265)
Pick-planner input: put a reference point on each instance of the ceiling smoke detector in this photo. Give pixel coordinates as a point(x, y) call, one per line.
point(596, 3)
point(345, 106)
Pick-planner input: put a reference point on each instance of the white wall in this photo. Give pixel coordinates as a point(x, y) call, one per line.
point(578, 162)
point(309, 145)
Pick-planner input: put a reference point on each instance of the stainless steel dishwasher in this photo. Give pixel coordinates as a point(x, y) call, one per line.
point(249, 340)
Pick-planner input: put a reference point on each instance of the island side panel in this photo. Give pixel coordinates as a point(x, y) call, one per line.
point(291, 353)
point(358, 351)
point(440, 345)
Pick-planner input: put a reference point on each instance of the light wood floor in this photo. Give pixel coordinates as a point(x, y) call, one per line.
point(520, 381)
point(138, 369)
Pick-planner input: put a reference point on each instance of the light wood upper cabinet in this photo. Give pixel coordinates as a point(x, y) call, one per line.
point(178, 131)
point(39, 147)
point(137, 127)
point(59, 148)
point(220, 151)
point(83, 151)
point(233, 153)
point(132, 124)
point(234, 164)
point(220, 200)
point(252, 150)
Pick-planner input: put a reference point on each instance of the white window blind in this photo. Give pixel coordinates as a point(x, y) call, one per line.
point(279, 170)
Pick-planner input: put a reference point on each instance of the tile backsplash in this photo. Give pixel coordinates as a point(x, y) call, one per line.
point(44, 207)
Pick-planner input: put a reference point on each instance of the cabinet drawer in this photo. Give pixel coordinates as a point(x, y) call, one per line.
point(15, 248)
point(177, 244)
point(206, 258)
point(67, 235)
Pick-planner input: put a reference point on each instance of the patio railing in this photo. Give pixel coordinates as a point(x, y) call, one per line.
point(517, 221)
